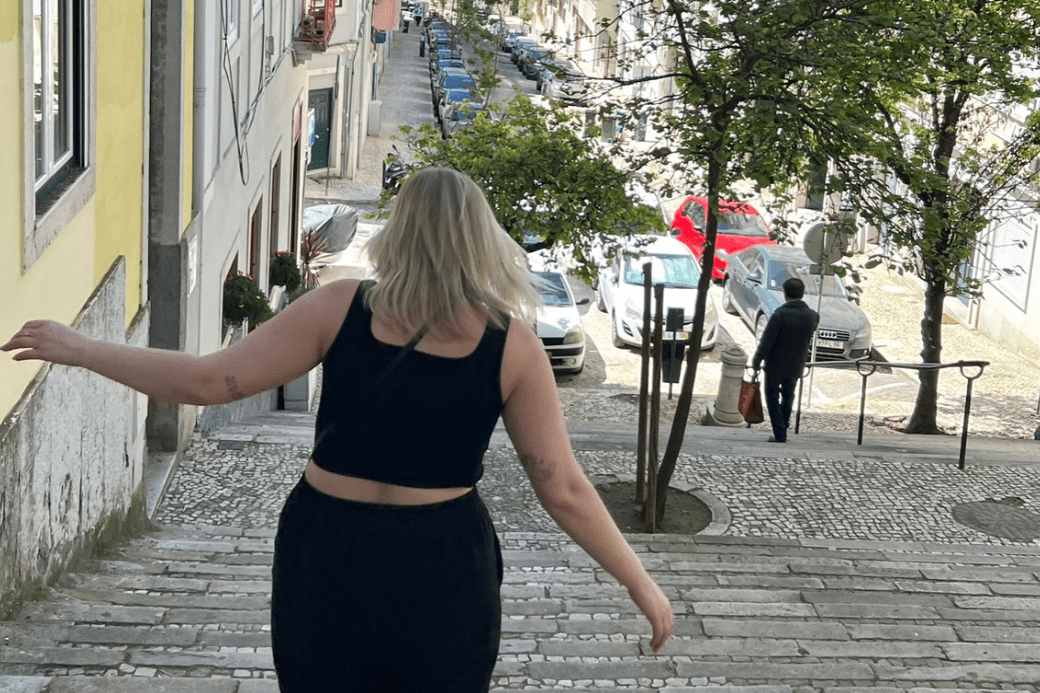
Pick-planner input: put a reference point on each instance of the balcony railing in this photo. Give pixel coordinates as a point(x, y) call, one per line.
point(317, 20)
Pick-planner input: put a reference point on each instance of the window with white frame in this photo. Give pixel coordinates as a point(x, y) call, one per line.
point(59, 107)
point(57, 93)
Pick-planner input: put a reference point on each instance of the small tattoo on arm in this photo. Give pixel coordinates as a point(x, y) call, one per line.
point(538, 469)
point(232, 387)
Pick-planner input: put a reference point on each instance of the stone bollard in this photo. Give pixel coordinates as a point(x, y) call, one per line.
point(723, 410)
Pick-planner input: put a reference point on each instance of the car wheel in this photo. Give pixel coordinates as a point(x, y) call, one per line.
point(727, 299)
point(760, 328)
point(615, 336)
point(600, 303)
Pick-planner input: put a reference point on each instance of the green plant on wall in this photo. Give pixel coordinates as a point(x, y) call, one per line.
point(243, 300)
point(284, 271)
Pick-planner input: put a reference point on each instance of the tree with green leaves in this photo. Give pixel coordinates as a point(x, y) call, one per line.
point(928, 168)
point(550, 187)
point(746, 75)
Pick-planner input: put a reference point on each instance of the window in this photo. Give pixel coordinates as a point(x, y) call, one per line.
point(231, 12)
point(55, 93)
point(59, 66)
point(255, 227)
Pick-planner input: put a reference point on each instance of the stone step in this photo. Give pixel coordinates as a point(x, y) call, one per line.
point(187, 608)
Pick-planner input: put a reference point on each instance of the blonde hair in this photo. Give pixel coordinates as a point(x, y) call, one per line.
point(441, 251)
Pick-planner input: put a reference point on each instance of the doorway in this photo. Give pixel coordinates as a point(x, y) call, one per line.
point(321, 101)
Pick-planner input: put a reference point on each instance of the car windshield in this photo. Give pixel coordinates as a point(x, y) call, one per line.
point(455, 81)
point(466, 112)
point(670, 270)
point(458, 95)
point(779, 272)
point(739, 224)
point(554, 293)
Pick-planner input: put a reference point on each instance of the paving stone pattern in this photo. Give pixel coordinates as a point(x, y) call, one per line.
point(796, 603)
point(184, 609)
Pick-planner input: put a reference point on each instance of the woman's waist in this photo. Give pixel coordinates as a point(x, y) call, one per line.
point(361, 490)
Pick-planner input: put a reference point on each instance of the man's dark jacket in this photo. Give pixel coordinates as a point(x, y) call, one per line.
point(785, 342)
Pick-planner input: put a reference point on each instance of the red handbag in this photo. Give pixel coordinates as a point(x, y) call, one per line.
point(750, 403)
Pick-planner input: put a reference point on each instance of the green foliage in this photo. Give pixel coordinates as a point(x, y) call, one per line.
point(243, 300)
point(284, 271)
point(550, 186)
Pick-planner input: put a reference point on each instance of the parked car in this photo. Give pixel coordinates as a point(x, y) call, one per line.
point(518, 45)
point(444, 52)
point(451, 97)
point(753, 289)
point(445, 64)
point(449, 79)
point(509, 39)
point(620, 288)
point(458, 117)
point(529, 61)
point(740, 226)
point(566, 84)
point(559, 324)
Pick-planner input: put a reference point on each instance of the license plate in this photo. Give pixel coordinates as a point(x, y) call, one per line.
point(676, 336)
point(830, 344)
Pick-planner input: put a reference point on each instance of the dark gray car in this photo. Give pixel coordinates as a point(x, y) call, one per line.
point(753, 289)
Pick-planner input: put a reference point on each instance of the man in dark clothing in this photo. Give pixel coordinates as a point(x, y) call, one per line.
point(785, 347)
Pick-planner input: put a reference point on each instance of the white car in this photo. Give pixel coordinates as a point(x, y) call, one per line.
point(620, 288)
point(559, 324)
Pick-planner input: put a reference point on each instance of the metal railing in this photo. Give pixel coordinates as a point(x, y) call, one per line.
point(867, 368)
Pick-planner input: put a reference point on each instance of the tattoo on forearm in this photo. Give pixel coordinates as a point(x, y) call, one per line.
point(538, 469)
point(232, 387)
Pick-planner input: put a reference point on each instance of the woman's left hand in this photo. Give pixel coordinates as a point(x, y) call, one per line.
point(46, 340)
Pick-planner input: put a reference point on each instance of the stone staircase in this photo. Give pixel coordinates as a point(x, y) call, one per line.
point(185, 610)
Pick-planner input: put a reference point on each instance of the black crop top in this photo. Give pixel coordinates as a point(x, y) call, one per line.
point(427, 426)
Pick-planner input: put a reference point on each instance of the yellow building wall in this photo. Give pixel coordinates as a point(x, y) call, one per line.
point(121, 74)
point(188, 134)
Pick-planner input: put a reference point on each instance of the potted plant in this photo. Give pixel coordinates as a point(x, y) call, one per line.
point(243, 300)
point(284, 271)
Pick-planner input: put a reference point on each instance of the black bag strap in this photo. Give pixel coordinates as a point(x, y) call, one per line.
point(379, 380)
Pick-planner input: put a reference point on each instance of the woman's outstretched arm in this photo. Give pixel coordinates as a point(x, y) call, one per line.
point(535, 425)
point(282, 349)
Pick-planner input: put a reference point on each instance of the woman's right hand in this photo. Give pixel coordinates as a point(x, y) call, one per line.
point(46, 340)
point(657, 609)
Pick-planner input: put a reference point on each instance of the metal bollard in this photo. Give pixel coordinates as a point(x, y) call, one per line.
point(723, 411)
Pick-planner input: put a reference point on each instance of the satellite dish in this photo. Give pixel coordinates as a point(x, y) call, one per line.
point(825, 244)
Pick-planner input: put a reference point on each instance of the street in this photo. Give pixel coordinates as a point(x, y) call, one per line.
point(1005, 397)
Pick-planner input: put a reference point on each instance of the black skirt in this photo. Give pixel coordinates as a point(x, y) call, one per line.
point(369, 597)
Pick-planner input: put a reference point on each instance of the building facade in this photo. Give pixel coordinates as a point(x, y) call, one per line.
point(73, 249)
point(228, 123)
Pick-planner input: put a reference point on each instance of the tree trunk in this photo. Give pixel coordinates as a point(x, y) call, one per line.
point(923, 419)
point(693, 348)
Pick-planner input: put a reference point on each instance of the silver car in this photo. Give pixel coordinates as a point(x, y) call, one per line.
point(620, 288)
point(559, 324)
point(753, 289)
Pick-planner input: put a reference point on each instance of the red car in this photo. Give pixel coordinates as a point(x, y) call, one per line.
point(740, 226)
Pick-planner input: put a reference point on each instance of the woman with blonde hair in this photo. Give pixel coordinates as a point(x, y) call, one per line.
point(387, 568)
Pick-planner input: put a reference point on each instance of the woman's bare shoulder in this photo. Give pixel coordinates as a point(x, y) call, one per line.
point(523, 355)
point(328, 305)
